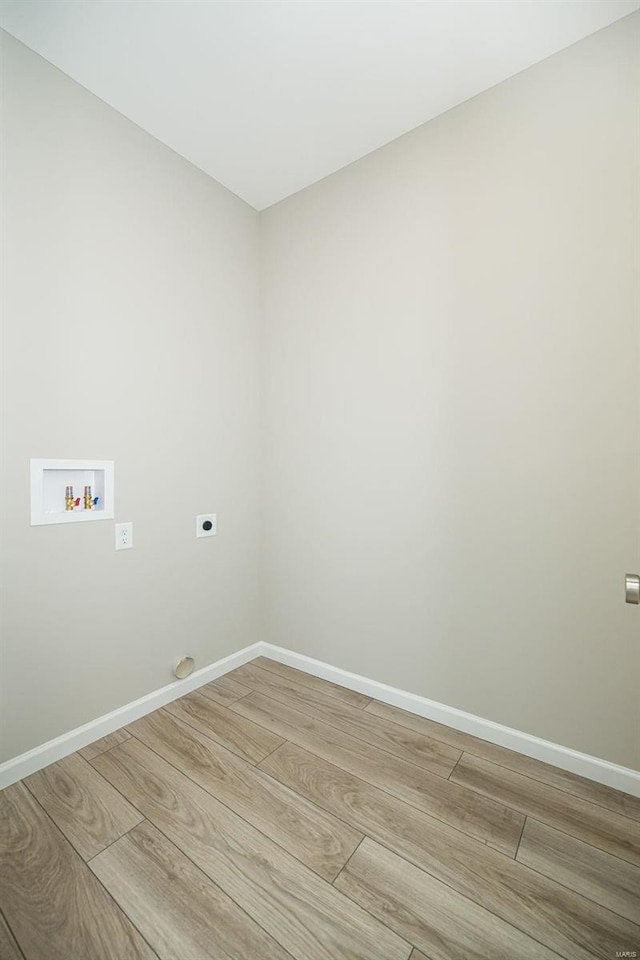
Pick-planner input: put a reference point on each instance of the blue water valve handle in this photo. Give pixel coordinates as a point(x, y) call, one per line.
point(95, 500)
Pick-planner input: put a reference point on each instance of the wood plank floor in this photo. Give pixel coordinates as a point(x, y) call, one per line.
point(272, 815)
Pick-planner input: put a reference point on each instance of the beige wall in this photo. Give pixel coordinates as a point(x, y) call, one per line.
point(131, 333)
point(452, 439)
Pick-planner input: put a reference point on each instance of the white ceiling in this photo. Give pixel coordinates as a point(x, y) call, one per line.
point(268, 96)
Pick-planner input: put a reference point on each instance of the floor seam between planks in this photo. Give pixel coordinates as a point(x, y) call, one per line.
point(334, 726)
point(299, 704)
point(84, 865)
point(9, 928)
point(352, 854)
point(553, 786)
point(270, 754)
point(457, 893)
point(118, 907)
point(310, 685)
point(470, 751)
point(583, 895)
point(393, 796)
point(206, 876)
point(55, 825)
point(117, 840)
point(453, 769)
point(244, 819)
point(515, 856)
point(468, 790)
point(572, 836)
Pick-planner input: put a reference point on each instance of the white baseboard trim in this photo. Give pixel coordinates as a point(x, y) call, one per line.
point(620, 778)
point(27, 763)
point(602, 771)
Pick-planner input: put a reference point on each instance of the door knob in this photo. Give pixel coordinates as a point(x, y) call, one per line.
point(632, 588)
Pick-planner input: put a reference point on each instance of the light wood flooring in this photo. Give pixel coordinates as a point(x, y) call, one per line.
point(271, 815)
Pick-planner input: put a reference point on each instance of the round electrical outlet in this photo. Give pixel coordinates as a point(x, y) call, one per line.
point(206, 525)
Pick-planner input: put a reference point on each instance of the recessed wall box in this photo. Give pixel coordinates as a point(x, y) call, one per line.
point(50, 480)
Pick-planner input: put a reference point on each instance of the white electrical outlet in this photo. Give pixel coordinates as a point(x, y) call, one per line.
point(206, 525)
point(124, 536)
